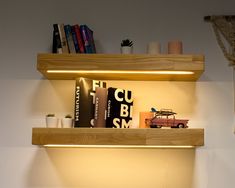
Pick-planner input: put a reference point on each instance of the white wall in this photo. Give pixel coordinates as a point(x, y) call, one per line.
point(25, 97)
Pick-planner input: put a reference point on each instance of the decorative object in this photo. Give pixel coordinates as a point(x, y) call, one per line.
point(175, 47)
point(51, 121)
point(224, 28)
point(165, 118)
point(154, 48)
point(67, 121)
point(127, 46)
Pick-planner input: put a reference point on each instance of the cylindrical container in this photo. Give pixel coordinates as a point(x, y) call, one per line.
point(67, 122)
point(153, 48)
point(126, 49)
point(175, 47)
point(51, 122)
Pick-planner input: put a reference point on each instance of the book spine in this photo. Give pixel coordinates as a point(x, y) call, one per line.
point(91, 39)
point(68, 33)
point(79, 38)
point(57, 43)
point(85, 101)
point(119, 108)
point(75, 41)
point(54, 44)
point(100, 107)
point(84, 34)
point(63, 39)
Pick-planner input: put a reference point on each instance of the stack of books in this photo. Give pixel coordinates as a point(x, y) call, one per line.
point(99, 106)
point(73, 39)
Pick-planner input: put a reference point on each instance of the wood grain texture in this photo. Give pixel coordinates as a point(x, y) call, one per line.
point(134, 62)
point(106, 136)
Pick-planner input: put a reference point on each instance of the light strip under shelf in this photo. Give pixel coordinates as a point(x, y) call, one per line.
point(114, 146)
point(120, 72)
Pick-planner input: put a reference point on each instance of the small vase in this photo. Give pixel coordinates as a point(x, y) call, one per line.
point(126, 49)
point(67, 122)
point(175, 47)
point(51, 122)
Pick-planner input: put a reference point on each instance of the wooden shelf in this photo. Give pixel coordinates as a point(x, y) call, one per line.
point(109, 136)
point(118, 62)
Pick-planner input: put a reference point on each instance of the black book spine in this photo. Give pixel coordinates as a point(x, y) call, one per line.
point(56, 41)
point(119, 108)
point(85, 101)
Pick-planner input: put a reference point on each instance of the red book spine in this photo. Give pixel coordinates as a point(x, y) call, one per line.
point(79, 38)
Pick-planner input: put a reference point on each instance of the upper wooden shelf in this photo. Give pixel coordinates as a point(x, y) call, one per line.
point(145, 64)
point(120, 137)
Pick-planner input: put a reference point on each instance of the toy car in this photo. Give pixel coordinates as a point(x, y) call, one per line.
point(165, 118)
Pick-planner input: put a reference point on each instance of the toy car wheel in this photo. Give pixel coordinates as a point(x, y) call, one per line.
point(159, 126)
point(153, 126)
point(180, 125)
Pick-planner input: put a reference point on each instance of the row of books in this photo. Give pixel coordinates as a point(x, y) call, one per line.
point(99, 106)
point(72, 39)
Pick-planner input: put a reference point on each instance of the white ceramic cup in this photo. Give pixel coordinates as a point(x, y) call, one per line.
point(154, 48)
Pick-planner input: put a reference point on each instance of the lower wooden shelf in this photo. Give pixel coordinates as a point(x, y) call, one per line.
point(117, 137)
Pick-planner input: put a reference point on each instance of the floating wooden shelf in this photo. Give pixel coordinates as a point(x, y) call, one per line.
point(109, 136)
point(144, 66)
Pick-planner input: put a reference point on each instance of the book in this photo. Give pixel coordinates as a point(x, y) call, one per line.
point(57, 48)
point(69, 37)
point(79, 38)
point(54, 43)
point(75, 41)
point(85, 37)
point(119, 108)
point(63, 39)
point(85, 101)
point(100, 107)
point(91, 39)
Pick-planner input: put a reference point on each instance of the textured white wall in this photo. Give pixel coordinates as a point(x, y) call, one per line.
point(26, 29)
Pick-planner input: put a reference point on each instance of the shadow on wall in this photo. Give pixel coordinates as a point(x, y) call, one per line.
point(112, 168)
point(53, 96)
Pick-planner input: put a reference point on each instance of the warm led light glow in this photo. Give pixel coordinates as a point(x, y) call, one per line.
point(117, 72)
point(112, 146)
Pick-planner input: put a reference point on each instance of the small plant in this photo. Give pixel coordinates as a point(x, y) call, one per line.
point(68, 116)
point(127, 42)
point(50, 115)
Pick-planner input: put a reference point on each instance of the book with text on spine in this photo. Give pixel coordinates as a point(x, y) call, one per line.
point(85, 101)
point(57, 48)
point(119, 108)
point(86, 39)
point(100, 107)
point(75, 40)
point(69, 37)
point(79, 38)
point(63, 39)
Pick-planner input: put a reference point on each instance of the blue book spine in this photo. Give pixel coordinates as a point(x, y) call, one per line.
point(91, 40)
point(68, 33)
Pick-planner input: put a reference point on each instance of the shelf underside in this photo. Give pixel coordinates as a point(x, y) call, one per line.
point(109, 136)
point(144, 66)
